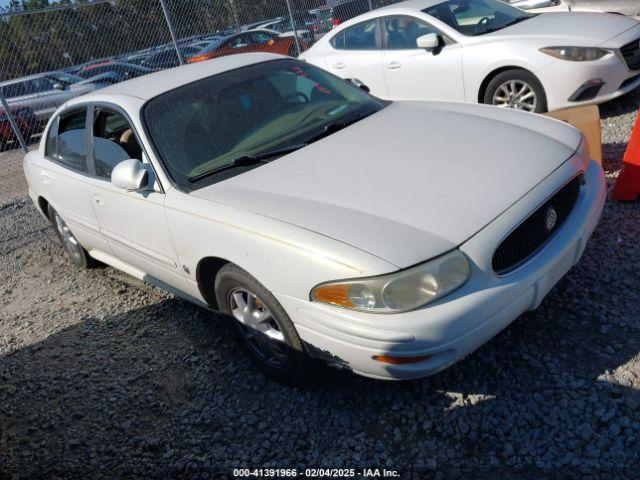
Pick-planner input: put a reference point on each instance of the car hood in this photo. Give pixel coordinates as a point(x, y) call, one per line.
point(410, 182)
point(580, 28)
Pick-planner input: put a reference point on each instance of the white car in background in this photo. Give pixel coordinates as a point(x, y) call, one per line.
point(285, 28)
point(388, 238)
point(621, 7)
point(485, 51)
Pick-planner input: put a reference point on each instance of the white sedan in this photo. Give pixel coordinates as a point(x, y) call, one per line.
point(485, 51)
point(621, 7)
point(391, 239)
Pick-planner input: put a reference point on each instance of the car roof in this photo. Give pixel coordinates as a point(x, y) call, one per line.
point(31, 77)
point(412, 5)
point(154, 84)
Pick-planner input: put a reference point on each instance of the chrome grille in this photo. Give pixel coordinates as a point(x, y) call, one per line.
point(533, 233)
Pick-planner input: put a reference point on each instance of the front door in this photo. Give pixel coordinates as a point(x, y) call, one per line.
point(412, 73)
point(134, 223)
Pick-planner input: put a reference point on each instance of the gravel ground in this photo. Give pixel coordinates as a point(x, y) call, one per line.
point(104, 377)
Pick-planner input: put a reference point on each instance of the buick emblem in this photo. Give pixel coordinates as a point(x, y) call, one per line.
point(550, 219)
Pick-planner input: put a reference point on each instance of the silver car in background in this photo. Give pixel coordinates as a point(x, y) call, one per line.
point(45, 92)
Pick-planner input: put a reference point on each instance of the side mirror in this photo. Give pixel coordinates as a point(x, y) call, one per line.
point(430, 41)
point(360, 85)
point(58, 86)
point(129, 175)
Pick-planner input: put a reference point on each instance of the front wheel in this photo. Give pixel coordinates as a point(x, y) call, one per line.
point(262, 327)
point(516, 89)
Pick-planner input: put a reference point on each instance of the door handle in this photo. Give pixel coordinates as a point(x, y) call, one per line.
point(339, 65)
point(99, 201)
point(394, 66)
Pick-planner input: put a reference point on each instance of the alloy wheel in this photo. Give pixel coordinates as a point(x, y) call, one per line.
point(68, 240)
point(259, 327)
point(516, 94)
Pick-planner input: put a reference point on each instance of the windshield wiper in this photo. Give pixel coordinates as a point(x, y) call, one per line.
point(248, 160)
point(266, 157)
point(333, 127)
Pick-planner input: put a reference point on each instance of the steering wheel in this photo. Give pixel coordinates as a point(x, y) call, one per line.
point(296, 94)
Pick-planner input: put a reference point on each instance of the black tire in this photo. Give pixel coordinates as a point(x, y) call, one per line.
point(77, 254)
point(296, 364)
point(519, 76)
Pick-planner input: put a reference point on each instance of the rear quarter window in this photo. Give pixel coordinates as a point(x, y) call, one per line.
point(338, 41)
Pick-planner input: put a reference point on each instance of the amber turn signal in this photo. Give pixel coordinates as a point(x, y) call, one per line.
point(334, 295)
point(400, 360)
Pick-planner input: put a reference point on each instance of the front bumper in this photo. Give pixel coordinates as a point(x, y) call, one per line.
point(453, 327)
point(563, 79)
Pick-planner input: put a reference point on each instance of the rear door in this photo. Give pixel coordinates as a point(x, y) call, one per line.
point(65, 176)
point(356, 53)
point(412, 73)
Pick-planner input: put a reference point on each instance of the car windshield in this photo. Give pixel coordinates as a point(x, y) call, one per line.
point(477, 17)
point(206, 126)
point(65, 77)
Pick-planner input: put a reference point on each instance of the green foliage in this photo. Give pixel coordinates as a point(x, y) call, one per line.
point(53, 39)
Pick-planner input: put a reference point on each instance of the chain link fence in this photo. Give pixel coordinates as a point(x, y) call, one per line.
point(52, 54)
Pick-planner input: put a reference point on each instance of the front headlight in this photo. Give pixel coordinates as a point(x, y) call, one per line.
point(399, 291)
point(576, 54)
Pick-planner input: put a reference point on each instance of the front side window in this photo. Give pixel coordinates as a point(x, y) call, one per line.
point(113, 141)
point(41, 84)
point(210, 125)
point(358, 37)
point(477, 17)
point(261, 37)
point(239, 41)
point(403, 32)
point(72, 144)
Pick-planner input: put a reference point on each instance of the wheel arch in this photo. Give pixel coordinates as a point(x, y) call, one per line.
point(206, 272)
point(43, 205)
point(497, 71)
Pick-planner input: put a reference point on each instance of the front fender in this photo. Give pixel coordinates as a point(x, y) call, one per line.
point(286, 259)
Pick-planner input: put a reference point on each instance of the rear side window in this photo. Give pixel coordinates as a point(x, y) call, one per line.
point(72, 141)
point(14, 90)
point(358, 37)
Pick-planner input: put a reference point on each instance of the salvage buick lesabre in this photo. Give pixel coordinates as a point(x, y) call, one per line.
point(389, 238)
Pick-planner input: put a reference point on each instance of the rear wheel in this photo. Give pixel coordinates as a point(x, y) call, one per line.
point(262, 327)
point(76, 253)
point(516, 89)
